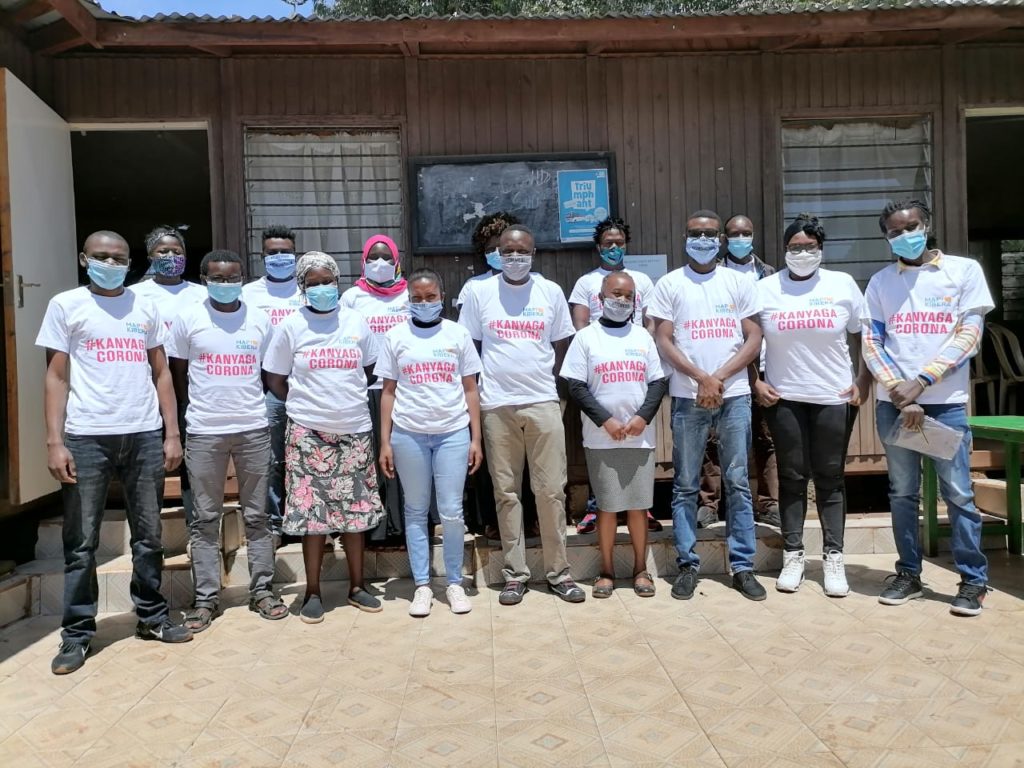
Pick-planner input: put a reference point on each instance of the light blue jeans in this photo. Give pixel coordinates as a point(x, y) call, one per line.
point(954, 485)
point(690, 427)
point(421, 461)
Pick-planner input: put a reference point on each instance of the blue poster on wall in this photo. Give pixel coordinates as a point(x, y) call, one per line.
point(582, 203)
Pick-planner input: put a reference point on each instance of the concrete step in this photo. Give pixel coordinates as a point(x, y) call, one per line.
point(18, 598)
point(990, 497)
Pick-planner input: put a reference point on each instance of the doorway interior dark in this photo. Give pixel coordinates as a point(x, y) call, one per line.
point(130, 181)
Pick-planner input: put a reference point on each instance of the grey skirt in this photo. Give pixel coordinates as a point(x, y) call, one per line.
point(621, 478)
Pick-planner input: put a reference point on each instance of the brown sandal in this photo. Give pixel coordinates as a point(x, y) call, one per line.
point(644, 590)
point(198, 619)
point(269, 607)
point(603, 590)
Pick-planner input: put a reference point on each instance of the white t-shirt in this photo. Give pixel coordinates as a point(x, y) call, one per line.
point(920, 307)
point(587, 288)
point(382, 313)
point(748, 271)
point(323, 356)
point(224, 351)
point(705, 311)
point(107, 339)
point(805, 323)
point(170, 300)
point(617, 364)
point(516, 325)
point(428, 364)
point(278, 300)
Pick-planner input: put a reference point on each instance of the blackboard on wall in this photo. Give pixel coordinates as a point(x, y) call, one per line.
point(450, 194)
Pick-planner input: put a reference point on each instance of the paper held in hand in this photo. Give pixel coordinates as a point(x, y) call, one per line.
point(932, 438)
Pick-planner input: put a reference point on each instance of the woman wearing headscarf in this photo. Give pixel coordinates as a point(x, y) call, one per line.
point(319, 362)
point(381, 297)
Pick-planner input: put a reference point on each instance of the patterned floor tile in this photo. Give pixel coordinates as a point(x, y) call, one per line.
point(152, 721)
point(350, 749)
point(962, 722)
point(74, 728)
point(432, 705)
point(886, 725)
point(335, 712)
point(766, 732)
point(637, 659)
point(554, 697)
point(634, 694)
point(459, 744)
point(549, 742)
point(729, 690)
point(537, 663)
point(993, 676)
point(655, 737)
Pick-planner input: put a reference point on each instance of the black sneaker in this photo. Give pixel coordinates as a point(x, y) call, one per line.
point(686, 582)
point(903, 587)
point(165, 632)
point(706, 516)
point(69, 658)
point(513, 593)
point(569, 591)
point(746, 583)
point(968, 599)
point(312, 611)
point(769, 516)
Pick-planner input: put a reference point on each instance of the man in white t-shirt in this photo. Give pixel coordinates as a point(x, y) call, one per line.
point(216, 350)
point(110, 412)
point(277, 294)
point(521, 322)
point(707, 331)
point(927, 313)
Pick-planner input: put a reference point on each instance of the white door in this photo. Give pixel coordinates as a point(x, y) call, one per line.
point(37, 237)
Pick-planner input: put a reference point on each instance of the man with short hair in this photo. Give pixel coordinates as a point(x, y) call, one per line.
point(521, 323)
point(110, 412)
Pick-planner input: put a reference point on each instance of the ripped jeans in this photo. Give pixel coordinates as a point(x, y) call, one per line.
point(423, 460)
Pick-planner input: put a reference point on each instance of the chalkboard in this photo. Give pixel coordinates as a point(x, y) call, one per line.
point(451, 194)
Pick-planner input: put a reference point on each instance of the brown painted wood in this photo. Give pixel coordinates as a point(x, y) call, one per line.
point(7, 274)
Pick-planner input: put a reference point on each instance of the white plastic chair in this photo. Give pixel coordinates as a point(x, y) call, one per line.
point(1011, 366)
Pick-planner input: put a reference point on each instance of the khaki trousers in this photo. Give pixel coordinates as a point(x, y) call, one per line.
point(512, 434)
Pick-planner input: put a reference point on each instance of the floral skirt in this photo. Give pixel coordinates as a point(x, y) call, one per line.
point(330, 482)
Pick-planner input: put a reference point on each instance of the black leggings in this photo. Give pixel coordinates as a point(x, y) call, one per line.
point(810, 444)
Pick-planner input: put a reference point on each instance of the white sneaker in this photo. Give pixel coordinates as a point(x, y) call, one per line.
point(792, 575)
point(457, 599)
point(835, 575)
point(421, 601)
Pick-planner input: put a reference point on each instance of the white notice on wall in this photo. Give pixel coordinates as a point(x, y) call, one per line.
point(654, 266)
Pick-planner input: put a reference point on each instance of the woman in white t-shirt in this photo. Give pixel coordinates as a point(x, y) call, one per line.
point(319, 361)
point(430, 430)
point(380, 295)
point(810, 394)
point(614, 374)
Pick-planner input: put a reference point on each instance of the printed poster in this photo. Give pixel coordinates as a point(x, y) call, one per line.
point(582, 202)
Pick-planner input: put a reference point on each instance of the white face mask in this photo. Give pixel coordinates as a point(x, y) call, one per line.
point(379, 271)
point(516, 266)
point(803, 264)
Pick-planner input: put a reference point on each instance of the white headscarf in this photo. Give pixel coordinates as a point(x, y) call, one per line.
point(314, 260)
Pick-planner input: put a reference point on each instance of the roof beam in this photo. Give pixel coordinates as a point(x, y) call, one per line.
point(955, 36)
point(55, 38)
point(30, 10)
point(83, 22)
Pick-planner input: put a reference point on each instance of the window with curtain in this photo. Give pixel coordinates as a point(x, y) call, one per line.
point(333, 187)
point(845, 171)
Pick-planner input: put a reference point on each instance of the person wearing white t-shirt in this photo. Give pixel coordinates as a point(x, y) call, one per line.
point(614, 373)
point(216, 349)
point(319, 362)
point(277, 294)
point(521, 322)
point(381, 297)
point(926, 317)
point(430, 430)
point(109, 408)
point(707, 331)
point(809, 395)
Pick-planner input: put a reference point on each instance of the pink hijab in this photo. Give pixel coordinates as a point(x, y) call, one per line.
point(399, 285)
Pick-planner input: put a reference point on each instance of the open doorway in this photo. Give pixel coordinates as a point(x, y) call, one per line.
point(129, 179)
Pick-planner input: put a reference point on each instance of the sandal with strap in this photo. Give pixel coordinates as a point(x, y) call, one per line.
point(198, 619)
point(269, 607)
point(603, 590)
point(644, 590)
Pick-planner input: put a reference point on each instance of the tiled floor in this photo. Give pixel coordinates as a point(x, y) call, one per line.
point(799, 680)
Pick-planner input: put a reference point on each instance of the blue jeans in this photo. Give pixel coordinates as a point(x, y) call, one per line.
point(278, 419)
point(138, 461)
point(422, 461)
point(690, 427)
point(954, 485)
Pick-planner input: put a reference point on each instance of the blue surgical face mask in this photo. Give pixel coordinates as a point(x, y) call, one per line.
point(909, 245)
point(224, 293)
point(702, 249)
point(280, 266)
point(107, 276)
point(426, 311)
point(741, 247)
point(323, 298)
point(494, 259)
point(612, 256)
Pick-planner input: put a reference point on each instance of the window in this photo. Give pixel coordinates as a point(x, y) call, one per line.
point(333, 187)
point(844, 172)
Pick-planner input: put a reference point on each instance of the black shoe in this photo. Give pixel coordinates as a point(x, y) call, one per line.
point(968, 599)
point(686, 582)
point(69, 658)
point(569, 591)
point(746, 583)
point(706, 516)
point(312, 611)
point(165, 632)
point(904, 587)
point(513, 593)
point(769, 516)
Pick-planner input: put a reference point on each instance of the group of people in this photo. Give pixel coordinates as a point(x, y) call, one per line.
point(345, 412)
